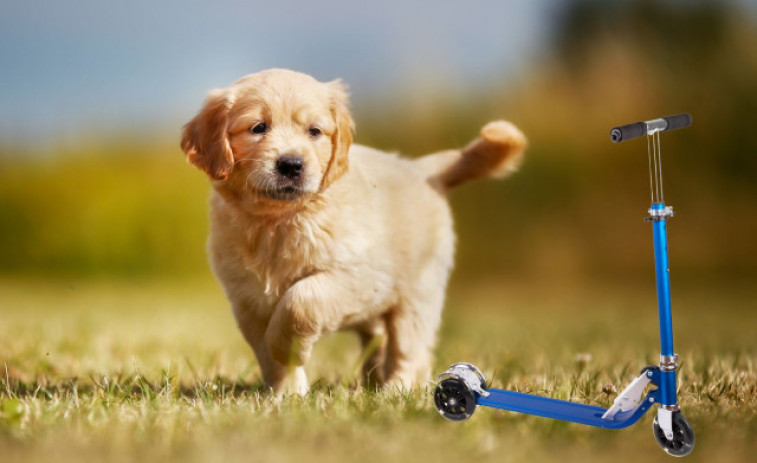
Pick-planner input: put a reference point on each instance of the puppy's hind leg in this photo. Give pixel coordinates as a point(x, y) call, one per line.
point(373, 340)
point(411, 339)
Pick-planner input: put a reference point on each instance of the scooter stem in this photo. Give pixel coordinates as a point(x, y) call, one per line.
point(658, 214)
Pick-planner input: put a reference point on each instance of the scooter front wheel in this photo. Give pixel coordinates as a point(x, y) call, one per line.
point(454, 400)
point(682, 442)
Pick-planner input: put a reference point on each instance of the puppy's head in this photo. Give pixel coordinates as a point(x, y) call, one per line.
point(275, 138)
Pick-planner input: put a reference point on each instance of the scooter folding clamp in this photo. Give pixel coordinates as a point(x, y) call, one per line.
point(669, 362)
point(659, 214)
point(629, 398)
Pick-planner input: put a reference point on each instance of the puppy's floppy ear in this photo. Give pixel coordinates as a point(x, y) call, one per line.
point(342, 137)
point(205, 139)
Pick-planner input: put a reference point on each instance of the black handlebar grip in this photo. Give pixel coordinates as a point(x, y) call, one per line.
point(628, 131)
point(678, 121)
point(637, 129)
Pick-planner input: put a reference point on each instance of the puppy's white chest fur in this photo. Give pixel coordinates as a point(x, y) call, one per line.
point(269, 256)
point(278, 254)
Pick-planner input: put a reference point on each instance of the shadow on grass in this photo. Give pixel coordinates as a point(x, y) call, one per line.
point(126, 387)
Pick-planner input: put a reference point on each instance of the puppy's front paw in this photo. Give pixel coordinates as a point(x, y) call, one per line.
point(296, 382)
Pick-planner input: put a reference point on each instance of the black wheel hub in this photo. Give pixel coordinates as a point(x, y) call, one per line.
point(454, 400)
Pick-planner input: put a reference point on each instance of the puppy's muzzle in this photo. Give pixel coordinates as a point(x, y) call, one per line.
point(290, 166)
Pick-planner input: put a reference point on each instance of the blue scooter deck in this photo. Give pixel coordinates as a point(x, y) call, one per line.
point(562, 410)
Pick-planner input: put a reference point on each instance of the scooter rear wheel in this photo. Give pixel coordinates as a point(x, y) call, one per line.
point(454, 400)
point(683, 437)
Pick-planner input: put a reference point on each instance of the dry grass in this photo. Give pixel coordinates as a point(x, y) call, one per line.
point(157, 372)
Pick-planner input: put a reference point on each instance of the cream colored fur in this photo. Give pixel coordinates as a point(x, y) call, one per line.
point(366, 243)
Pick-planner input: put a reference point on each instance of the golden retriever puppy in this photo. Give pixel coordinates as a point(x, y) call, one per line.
point(311, 234)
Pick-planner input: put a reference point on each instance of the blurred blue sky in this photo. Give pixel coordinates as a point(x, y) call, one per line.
point(86, 67)
point(79, 67)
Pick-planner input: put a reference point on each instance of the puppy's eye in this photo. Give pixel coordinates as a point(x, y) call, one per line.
point(315, 132)
point(259, 128)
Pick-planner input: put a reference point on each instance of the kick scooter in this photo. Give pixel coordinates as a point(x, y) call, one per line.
point(462, 387)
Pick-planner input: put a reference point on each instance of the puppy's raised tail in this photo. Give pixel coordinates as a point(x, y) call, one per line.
point(496, 153)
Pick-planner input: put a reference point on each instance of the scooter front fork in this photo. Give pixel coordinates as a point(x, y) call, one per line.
point(668, 400)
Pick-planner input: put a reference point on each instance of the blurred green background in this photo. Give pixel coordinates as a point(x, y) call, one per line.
point(113, 204)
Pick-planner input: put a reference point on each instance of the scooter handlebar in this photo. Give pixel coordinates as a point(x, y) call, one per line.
point(628, 131)
point(679, 121)
point(637, 129)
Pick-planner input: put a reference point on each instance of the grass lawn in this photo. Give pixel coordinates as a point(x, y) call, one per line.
point(158, 372)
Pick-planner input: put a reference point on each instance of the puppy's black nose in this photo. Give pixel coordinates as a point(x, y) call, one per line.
point(290, 166)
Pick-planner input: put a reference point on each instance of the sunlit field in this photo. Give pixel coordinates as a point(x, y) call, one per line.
point(158, 372)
